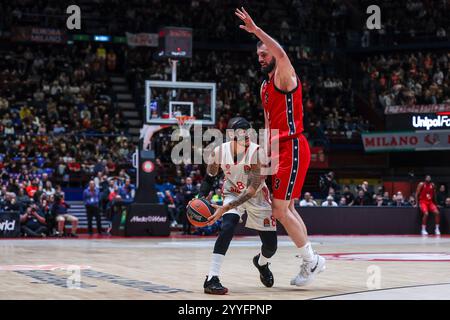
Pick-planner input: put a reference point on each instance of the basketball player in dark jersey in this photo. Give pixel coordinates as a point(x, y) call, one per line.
point(281, 96)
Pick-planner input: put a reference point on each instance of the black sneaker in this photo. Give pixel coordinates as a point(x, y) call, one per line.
point(73, 235)
point(265, 275)
point(214, 286)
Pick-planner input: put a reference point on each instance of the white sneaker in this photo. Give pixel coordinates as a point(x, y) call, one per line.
point(308, 271)
point(437, 232)
point(424, 232)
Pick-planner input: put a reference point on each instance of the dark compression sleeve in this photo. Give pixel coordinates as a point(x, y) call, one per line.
point(207, 185)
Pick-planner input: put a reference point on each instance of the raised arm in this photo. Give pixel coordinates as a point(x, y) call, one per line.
point(285, 77)
point(250, 26)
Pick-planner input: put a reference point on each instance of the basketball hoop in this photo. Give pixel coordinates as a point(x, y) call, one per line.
point(185, 123)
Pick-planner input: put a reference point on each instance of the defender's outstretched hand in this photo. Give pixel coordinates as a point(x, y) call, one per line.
point(249, 25)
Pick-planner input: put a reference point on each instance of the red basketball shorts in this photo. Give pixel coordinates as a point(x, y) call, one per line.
point(428, 206)
point(293, 162)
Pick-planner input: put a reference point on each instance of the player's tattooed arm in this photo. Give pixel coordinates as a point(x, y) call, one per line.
point(255, 178)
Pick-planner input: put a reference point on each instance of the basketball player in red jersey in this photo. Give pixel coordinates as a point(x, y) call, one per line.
point(281, 97)
point(426, 199)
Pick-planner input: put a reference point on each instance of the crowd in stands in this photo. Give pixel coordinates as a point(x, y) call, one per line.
point(107, 196)
point(177, 186)
point(359, 197)
point(334, 195)
point(44, 211)
point(414, 78)
point(57, 114)
point(318, 22)
point(59, 124)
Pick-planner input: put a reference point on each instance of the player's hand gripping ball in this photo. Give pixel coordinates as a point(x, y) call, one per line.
point(198, 212)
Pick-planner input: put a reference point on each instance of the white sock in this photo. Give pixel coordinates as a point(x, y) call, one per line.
point(424, 227)
point(216, 263)
point(262, 260)
point(306, 252)
point(437, 227)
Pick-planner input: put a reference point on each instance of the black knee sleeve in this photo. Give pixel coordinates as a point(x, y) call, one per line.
point(229, 223)
point(269, 243)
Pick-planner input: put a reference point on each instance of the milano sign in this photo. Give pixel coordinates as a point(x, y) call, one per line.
point(406, 141)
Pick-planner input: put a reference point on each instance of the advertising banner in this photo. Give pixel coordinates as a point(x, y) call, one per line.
point(406, 141)
point(147, 219)
point(429, 108)
point(142, 39)
point(34, 34)
point(417, 121)
point(9, 224)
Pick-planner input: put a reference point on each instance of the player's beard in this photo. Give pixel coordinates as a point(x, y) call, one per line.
point(270, 66)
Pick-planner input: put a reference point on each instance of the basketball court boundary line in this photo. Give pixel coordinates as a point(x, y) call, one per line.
point(383, 289)
point(335, 256)
point(106, 237)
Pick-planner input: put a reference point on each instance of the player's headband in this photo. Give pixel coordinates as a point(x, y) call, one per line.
point(238, 123)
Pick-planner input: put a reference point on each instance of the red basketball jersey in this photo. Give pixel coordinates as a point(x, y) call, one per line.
point(427, 192)
point(284, 110)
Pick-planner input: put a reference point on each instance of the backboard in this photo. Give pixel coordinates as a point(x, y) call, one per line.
point(165, 100)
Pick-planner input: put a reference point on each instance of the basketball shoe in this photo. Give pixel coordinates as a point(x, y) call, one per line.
point(437, 231)
point(309, 270)
point(213, 286)
point(265, 275)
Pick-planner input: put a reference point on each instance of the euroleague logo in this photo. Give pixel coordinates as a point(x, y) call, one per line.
point(148, 166)
point(392, 256)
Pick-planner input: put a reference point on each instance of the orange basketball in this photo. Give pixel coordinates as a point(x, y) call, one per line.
point(198, 212)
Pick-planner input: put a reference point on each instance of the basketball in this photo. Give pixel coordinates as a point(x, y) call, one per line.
point(198, 212)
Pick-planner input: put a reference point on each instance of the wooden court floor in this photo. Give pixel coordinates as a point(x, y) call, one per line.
point(358, 267)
